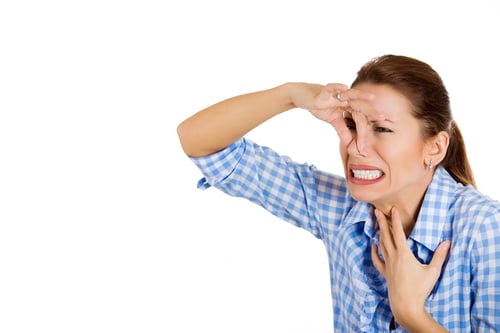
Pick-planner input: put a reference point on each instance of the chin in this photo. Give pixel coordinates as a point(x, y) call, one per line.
point(363, 195)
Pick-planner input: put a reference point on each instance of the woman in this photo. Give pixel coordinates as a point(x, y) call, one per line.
point(412, 245)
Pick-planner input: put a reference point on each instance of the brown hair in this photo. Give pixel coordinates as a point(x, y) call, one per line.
point(422, 85)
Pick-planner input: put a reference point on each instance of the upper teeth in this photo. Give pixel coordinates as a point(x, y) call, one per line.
point(367, 174)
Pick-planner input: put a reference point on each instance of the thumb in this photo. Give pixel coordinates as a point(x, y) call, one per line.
point(440, 254)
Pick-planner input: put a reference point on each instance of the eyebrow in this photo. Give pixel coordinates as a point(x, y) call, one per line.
point(349, 117)
point(380, 121)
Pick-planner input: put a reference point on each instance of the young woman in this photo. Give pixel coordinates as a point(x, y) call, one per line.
point(412, 245)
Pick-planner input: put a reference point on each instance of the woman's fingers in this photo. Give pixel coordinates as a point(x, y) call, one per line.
point(334, 87)
point(397, 229)
point(336, 99)
point(409, 282)
point(377, 262)
point(343, 94)
point(365, 107)
point(362, 126)
point(362, 114)
point(329, 106)
point(340, 126)
point(329, 96)
point(440, 255)
point(386, 240)
point(349, 94)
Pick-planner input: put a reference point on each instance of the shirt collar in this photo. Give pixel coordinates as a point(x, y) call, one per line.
point(434, 221)
point(363, 212)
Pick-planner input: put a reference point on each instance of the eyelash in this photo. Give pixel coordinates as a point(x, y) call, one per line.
point(351, 125)
point(382, 130)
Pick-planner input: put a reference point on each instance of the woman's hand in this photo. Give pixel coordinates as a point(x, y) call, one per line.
point(409, 282)
point(329, 102)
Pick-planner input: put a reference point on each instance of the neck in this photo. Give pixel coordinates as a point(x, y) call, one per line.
point(408, 205)
point(408, 215)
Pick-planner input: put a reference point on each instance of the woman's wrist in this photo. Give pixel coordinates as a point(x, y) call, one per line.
point(301, 95)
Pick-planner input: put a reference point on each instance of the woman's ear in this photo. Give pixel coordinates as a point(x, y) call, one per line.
point(436, 148)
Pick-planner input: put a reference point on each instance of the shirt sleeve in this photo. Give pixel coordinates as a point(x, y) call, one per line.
point(294, 192)
point(486, 276)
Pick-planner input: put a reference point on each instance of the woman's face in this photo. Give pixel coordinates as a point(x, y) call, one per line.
point(389, 168)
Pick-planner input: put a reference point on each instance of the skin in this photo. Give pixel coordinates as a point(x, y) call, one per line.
point(381, 134)
point(386, 137)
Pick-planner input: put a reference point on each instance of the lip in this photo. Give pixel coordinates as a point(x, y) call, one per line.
point(359, 181)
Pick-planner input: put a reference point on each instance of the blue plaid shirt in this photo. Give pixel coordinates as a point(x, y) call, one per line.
point(466, 297)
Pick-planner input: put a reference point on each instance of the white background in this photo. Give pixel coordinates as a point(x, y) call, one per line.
point(102, 228)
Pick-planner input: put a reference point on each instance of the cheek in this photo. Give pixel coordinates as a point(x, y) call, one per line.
point(403, 157)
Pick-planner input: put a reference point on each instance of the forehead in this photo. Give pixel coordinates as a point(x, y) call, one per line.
point(388, 101)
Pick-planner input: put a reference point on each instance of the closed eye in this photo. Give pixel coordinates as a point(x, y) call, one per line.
point(380, 129)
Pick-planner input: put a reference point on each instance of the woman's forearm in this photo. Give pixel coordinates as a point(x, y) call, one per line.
point(217, 126)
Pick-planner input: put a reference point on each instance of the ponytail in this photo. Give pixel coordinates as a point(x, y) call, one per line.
point(456, 161)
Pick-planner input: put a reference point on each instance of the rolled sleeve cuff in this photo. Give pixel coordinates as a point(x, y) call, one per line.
point(218, 166)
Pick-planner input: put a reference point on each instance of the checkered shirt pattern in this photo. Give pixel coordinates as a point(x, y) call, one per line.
point(466, 297)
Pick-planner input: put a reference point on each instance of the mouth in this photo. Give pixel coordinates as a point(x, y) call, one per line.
point(365, 175)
